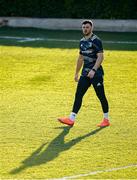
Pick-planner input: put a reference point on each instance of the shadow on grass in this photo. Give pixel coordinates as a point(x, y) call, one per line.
point(43, 155)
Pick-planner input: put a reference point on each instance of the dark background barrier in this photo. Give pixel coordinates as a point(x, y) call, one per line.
point(98, 9)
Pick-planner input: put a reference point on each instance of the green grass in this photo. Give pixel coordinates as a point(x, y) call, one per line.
point(36, 87)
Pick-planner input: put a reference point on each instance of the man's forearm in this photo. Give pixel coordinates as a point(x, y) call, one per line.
point(79, 64)
point(96, 66)
point(98, 61)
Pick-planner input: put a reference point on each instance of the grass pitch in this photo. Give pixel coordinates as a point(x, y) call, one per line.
point(37, 86)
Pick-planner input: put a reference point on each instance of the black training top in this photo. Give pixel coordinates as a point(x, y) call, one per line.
point(89, 49)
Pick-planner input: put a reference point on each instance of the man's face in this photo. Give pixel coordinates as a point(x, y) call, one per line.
point(87, 29)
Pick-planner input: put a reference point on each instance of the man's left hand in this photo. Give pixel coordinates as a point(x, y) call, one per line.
point(91, 74)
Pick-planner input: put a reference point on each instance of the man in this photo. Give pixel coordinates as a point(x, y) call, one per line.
point(90, 57)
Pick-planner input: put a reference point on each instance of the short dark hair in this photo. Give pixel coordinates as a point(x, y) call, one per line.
point(87, 22)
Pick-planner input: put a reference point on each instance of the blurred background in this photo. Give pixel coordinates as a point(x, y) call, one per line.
point(97, 9)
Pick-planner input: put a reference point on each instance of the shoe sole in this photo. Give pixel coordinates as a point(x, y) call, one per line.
point(65, 123)
point(103, 126)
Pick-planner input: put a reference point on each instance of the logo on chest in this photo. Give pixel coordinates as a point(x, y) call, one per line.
point(86, 46)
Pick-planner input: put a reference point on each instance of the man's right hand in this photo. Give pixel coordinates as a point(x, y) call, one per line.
point(76, 78)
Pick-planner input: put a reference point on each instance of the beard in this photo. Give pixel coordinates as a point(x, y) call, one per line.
point(86, 33)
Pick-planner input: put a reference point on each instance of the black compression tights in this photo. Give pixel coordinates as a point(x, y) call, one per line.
point(83, 85)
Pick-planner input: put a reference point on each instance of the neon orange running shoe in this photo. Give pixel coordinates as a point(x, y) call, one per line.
point(104, 123)
point(66, 120)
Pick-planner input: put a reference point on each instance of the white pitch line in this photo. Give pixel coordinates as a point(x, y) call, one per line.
point(27, 39)
point(120, 42)
point(22, 39)
point(62, 40)
point(107, 42)
point(30, 39)
point(95, 172)
point(10, 37)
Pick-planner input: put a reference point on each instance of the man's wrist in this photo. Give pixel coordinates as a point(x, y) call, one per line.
point(93, 69)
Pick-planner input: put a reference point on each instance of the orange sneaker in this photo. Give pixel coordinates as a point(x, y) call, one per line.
point(104, 123)
point(66, 120)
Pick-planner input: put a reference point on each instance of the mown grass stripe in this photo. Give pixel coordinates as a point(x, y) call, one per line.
point(25, 39)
